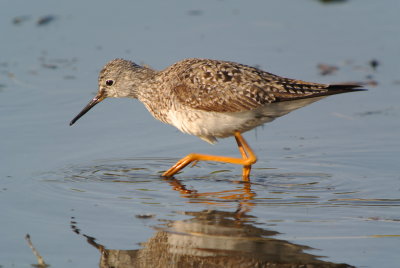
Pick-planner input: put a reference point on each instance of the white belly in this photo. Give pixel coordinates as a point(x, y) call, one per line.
point(212, 125)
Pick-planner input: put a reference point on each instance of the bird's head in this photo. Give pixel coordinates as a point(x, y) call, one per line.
point(119, 78)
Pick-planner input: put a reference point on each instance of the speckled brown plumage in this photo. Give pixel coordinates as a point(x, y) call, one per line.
point(222, 86)
point(209, 98)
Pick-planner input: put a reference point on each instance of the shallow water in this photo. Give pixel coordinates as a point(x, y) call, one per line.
point(324, 191)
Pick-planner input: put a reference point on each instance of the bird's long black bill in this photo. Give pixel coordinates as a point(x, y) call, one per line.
point(89, 106)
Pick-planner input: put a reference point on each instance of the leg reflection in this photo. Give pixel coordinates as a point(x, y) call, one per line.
point(243, 195)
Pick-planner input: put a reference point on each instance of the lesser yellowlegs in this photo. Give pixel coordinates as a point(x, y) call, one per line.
point(210, 99)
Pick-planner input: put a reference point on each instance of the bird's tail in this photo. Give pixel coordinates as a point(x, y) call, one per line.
point(343, 88)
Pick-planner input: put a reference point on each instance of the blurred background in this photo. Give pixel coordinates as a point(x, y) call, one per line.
point(327, 182)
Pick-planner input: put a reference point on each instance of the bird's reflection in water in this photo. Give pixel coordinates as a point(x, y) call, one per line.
point(243, 195)
point(211, 238)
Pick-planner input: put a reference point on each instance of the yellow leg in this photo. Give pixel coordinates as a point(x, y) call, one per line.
point(241, 142)
point(248, 158)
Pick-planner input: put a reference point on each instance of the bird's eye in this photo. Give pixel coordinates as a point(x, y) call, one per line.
point(109, 82)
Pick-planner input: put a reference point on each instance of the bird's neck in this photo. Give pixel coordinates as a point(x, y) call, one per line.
point(139, 79)
point(153, 92)
point(143, 75)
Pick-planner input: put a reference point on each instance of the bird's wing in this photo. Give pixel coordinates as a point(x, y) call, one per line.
point(220, 86)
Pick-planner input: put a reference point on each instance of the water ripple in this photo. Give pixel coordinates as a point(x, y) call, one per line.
point(215, 185)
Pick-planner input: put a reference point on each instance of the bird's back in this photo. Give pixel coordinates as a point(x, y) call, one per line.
point(222, 86)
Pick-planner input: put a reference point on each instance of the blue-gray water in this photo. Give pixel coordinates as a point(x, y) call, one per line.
point(327, 181)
